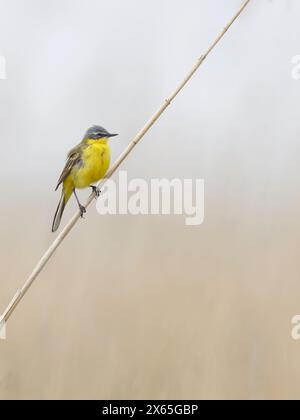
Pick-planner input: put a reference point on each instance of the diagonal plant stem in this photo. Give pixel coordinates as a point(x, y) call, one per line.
point(59, 239)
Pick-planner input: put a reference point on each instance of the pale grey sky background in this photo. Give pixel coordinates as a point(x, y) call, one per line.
point(192, 313)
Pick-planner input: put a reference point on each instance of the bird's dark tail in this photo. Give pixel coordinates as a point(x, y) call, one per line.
point(59, 212)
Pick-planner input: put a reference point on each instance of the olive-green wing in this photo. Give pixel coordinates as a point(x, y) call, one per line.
point(74, 158)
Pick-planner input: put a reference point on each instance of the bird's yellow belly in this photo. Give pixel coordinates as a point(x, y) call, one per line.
point(95, 163)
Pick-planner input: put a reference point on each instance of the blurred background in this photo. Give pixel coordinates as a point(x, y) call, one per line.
point(146, 307)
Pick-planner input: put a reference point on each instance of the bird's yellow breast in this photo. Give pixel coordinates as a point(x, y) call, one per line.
point(95, 160)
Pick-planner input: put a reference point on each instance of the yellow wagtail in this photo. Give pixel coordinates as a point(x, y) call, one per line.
point(86, 163)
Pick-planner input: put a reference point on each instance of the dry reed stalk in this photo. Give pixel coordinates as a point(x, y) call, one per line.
point(59, 239)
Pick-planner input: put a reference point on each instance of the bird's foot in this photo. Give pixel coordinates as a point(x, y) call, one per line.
point(82, 210)
point(96, 190)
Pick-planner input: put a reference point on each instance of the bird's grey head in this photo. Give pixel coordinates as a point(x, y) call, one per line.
point(97, 132)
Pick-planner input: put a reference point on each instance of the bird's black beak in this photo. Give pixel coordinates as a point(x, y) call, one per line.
point(112, 135)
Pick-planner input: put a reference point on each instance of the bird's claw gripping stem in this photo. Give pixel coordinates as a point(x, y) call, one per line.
point(96, 190)
point(82, 210)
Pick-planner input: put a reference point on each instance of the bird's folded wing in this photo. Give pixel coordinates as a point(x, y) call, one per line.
point(74, 158)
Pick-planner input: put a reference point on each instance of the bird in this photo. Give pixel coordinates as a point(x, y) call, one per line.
point(86, 164)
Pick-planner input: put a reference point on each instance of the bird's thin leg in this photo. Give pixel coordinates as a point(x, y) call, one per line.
point(96, 190)
point(81, 207)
